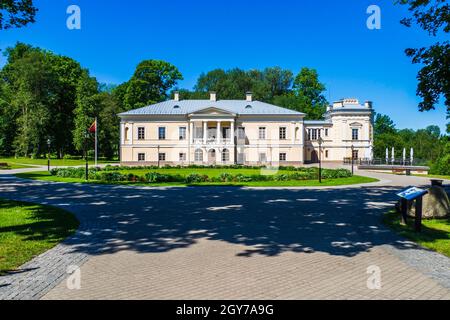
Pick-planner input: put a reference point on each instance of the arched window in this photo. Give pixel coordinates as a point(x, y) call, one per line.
point(198, 155)
point(225, 155)
point(126, 133)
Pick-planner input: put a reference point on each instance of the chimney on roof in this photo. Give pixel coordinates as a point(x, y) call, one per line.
point(176, 96)
point(368, 104)
point(249, 96)
point(212, 96)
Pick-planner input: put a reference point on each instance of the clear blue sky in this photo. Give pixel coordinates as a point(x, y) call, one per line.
point(198, 36)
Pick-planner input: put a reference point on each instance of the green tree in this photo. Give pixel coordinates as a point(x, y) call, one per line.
point(87, 108)
point(7, 119)
point(433, 16)
point(150, 83)
point(383, 124)
point(234, 83)
point(16, 13)
point(306, 96)
point(39, 77)
point(308, 87)
point(108, 124)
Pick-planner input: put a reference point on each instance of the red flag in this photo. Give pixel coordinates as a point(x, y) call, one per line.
point(93, 127)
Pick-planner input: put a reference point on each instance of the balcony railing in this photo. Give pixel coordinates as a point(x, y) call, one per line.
point(212, 141)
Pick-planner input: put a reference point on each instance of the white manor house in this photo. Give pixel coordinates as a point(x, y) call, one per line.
point(247, 132)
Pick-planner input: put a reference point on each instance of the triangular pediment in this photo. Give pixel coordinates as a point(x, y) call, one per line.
point(212, 111)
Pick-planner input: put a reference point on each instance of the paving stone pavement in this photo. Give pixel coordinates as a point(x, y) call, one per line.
point(226, 243)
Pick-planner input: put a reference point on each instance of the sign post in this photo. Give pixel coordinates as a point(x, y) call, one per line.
point(410, 194)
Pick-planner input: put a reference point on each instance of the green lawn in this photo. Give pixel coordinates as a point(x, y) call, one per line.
point(43, 175)
point(27, 230)
point(435, 176)
point(27, 162)
point(13, 166)
point(435, 234)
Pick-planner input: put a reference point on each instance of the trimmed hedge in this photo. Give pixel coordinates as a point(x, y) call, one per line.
point(111, 174)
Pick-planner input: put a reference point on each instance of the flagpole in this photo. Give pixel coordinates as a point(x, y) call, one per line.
point(96, 129)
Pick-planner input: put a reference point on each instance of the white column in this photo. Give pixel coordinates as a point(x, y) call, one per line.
point(293, 133)
point(191, 132)
point(205, 128)
point(367, 131)
point(132, 133)
point(218, 132)
point(232, 132)
point(122, 134)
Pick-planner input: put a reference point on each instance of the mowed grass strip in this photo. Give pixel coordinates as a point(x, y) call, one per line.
point(28, 162)
point(27, 230)
point(435, 234)
point(212, 172)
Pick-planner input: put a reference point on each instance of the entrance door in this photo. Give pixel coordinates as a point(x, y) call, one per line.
point(212, 157)
point(314, 157)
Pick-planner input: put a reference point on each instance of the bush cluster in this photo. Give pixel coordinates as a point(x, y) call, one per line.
point(111, 174)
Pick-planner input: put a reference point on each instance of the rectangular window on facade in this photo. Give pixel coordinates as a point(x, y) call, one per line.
point(326, 132)
point(198, 132)
point(141, 133)
point(182, 133)
point(262, 133)
point(309, 134)
point(162, 157)
point(355, 134)
point(162, 133)
point(182, 156)
point(314, 134)
point(262, 157)
point(326, 153)
point(282, 133)
point(198, 155)
point(241, 133)
point(283, 156)
point(141, 156)
point(355, 154)
point(225, 155)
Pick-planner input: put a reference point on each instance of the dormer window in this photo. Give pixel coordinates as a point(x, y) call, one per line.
point(176, 107)
point(248, 106)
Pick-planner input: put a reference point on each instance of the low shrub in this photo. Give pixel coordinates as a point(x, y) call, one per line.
point(196, 178)
point(155, 177)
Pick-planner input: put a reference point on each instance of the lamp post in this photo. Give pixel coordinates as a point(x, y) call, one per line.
point(353, 148)
point(86, 137)
point(320, 141)
point(48, 154)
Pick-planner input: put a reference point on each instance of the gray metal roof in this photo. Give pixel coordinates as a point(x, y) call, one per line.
point(191, 106)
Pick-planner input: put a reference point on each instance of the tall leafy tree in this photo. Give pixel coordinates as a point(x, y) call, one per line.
point(433, 16)
point(46, 79)
point(86, 110)
point(16, 13)
point(233, 83)
point(150, 83)
point(7, 119)
point(308, 86)
point(383, 124)
point(307, 95)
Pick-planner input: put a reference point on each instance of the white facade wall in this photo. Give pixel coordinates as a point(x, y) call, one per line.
point(295, 147)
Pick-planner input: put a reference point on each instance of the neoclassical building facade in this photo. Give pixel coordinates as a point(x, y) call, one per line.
point(247, 132)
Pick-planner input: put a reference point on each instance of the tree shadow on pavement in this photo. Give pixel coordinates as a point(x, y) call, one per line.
point(344, 221)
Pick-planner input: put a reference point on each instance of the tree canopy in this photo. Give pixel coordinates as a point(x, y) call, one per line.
point(16, 13)
point(150, 83)
point(433, 16)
